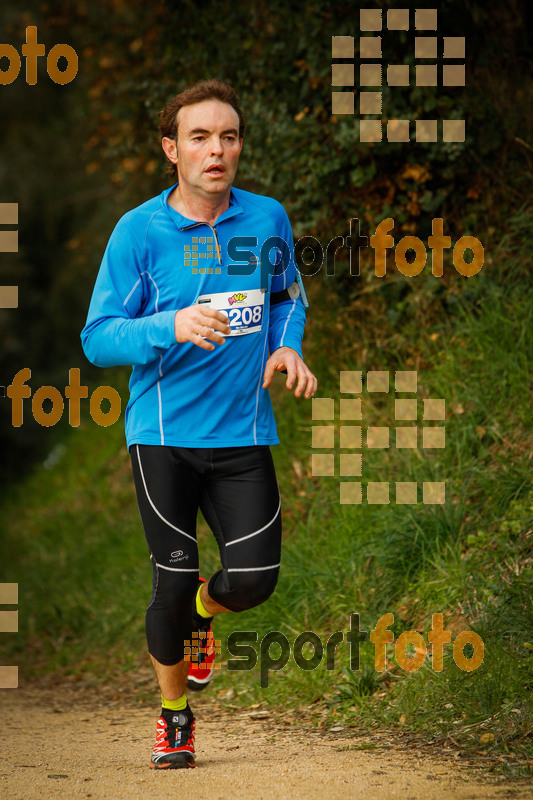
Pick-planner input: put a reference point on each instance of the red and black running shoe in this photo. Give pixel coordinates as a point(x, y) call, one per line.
point(202, 660)
point(174, 742)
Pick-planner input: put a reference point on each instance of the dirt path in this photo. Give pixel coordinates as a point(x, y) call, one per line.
point(76, 742)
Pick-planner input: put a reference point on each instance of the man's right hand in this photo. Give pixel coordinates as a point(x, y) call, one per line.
point(193, 323)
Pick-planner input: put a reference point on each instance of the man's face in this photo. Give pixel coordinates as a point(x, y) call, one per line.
point(208, 147)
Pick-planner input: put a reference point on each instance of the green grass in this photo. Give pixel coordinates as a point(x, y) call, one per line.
point(73, 541)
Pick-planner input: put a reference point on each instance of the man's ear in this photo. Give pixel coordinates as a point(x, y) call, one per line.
point(170, 149)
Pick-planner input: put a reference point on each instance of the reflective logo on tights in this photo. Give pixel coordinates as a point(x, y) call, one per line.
point(177, 555)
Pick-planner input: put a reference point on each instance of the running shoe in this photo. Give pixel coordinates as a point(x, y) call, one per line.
point(202, 663)
point(174, 741)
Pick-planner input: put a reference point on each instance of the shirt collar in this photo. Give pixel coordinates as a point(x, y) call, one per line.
point(184, 222)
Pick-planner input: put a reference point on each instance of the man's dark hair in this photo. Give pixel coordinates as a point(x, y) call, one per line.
point(212, 89)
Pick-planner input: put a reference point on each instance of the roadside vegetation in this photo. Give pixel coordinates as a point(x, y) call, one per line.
point(73, 541)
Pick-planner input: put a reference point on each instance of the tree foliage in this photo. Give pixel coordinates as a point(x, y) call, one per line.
point(76, 157)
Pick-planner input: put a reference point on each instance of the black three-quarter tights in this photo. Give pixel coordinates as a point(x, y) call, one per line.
point(237, 491)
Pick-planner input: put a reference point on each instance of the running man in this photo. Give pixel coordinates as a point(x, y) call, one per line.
point(205, 320)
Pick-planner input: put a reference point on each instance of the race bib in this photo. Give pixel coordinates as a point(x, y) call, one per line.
point(244, 309)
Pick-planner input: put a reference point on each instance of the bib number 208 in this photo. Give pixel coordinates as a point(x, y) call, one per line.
point(249, 315)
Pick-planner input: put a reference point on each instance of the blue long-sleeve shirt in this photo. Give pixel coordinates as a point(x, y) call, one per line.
point(180, 394)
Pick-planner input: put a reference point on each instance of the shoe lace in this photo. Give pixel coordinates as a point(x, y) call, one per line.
point(189, 733)
point(164, 728)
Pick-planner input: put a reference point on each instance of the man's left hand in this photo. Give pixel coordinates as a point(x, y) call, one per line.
point(288, 359)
